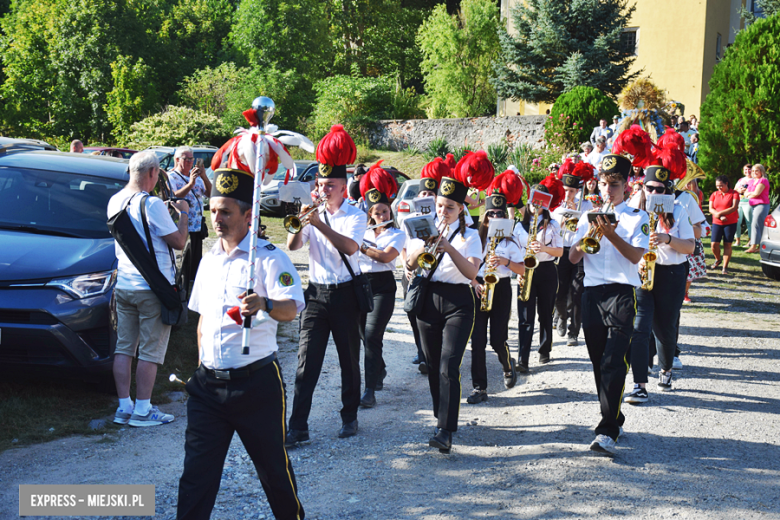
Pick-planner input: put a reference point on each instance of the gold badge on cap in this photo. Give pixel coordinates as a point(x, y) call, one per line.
point(430, 184)
point(227, 183)
point(325, 169)
point(608, 163)
point(498, 200)
point(374, 196)
point(447, 187)
point(662, 175)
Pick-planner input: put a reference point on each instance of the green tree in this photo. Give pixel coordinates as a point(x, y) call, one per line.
point(177, 126)
point(208, 89)
point(769, 7)
point(563, 44)
point(458, 51)
point(132, 96)
point(740, 120)
point(575, 114)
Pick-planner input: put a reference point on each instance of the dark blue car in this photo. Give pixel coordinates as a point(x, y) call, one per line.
point(57, 260)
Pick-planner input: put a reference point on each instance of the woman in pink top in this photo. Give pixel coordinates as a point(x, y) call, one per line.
point(758, 195)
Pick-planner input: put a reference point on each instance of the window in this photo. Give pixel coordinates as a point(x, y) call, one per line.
point(719, 48)
point(629, 41)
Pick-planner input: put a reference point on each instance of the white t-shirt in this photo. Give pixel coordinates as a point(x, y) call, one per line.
point(506, 248)
point(469, 246)
point(687, 201)
point(160, 225)
point(390, 237)
point(682, 229)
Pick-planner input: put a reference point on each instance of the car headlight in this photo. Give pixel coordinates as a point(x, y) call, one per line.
point(86, 285)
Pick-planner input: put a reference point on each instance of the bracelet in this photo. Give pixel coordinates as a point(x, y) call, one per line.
point(670, 240)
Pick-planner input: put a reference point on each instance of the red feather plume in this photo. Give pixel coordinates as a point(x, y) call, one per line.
point(671, 158)
point(475, 170)
point(337, 148)
point(450, 161)
point(584, 170)
point(555, 187)
point(510, 185)
point(671, 138)
point(566, 168)
point(377, 177)
point(436, 169)
point(636, 142)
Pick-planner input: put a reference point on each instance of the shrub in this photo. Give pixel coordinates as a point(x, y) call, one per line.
point(739, 118)
point(459, 151)
point(575, 114)
point(498, 154)
point(177, 126)
point(438, 147)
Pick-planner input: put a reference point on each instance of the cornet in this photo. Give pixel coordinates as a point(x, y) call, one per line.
point(591, 243)
point(294, 223)
point(427, 259)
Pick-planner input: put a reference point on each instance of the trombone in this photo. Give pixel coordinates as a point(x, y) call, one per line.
point(427, 259)
point(294, 223)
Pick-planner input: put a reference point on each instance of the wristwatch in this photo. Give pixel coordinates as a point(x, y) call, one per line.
point(269, 305)
point(363, 247)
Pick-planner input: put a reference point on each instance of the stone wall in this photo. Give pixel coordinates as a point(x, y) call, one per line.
point(475, 132)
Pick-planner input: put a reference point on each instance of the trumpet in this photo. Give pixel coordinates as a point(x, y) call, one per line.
point(427, 259)
point(491, 279)
point(524, 292)
point(648, 275)
point(294, 223)
point(591, 243)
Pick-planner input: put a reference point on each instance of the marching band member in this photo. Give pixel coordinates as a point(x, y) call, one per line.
point(611, 279)
point(507, 258)
point(335, 229)
point(658, 308)
point(547, 245)
point(447, 316)
point(379, 251)
point(570, 276)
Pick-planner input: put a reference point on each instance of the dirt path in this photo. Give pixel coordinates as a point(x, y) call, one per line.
point(709, 449)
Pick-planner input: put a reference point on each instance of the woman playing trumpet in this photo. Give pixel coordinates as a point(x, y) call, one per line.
point(381, 246)
point(447, 316)
point(505, 258)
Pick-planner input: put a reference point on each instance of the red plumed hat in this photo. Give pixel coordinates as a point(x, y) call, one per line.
point(510, 185)
point(673, 139)
point(671, 158)
point(431, 174)
point(636, 142)
point(474, 170)
point(584, 171)
point(450, 161)
point(555, 188)
point(566, 168)
point(334, 152)
point(377, 178)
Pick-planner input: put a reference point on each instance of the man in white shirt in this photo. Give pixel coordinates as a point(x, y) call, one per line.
point(608, 302)
point(140, 329)
point(601, 130)
point(686, 132)
point(336, 228)
point(595, 156)
point(232, 392)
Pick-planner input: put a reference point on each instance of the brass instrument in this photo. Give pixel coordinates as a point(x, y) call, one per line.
point(427, 259)
point(693, 172)
point(530, 261)
point(648, 275)
point(491, 278)
point(591, 243)
point(294, 223)
point(570, 225)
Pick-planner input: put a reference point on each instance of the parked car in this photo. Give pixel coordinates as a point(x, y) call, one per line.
point(769, 250)
point(12, 145)
point(59, 262)
point(119, 153)
point(402, 205)
point(270, 203)
point(165, 155)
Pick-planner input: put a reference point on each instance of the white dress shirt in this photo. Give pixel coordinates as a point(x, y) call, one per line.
point(390, 237)
point(558, 216)
point(608, 265)
point(595, 157)
point(682, 229)
point(687, 201)
point(325, 264)
point(506, 248)
point(549, 235)
point(221, 278)
point(469, 246)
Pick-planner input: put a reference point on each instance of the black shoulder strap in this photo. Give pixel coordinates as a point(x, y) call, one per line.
point(149, 235)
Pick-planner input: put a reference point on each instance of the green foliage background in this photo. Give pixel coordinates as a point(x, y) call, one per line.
point(742, 111)
point(575, 114)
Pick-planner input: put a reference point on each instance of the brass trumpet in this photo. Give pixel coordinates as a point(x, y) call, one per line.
point(427, 259)
point(294, 223)
point(591, 243)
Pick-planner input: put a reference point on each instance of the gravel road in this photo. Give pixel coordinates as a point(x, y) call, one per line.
point(709, 449)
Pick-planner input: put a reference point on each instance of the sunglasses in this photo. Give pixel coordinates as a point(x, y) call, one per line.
point(656, 189)
point(494, 214)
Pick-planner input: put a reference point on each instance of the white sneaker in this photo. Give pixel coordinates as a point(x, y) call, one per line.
point(154, 418)
point(603, 444)
point(677, 364)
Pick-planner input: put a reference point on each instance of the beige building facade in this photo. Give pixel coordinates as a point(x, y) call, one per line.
point(677, 44)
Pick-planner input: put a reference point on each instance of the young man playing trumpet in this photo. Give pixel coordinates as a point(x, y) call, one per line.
point(334, 229)
point(609, 298)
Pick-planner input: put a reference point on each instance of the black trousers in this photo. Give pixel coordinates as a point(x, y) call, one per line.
point(544, 287)
point(196, 252)
point(658, 310)
point(328, 311)
point(499, 332)
point(413, 320)
point(374, 324)
point(255, 408)
point(568, 302)
point(445, 328)
point(608, 321)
